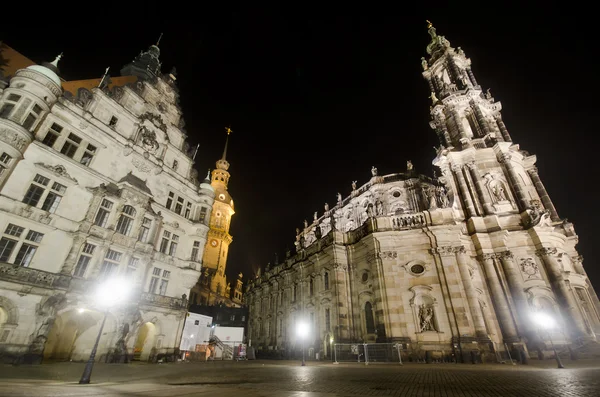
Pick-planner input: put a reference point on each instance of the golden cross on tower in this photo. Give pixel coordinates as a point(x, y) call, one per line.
point(429, 24)
point(229, 130)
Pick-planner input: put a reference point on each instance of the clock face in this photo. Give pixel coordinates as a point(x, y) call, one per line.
point(214, 243)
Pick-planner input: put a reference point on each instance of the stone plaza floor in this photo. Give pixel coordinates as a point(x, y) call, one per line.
point(268, 378)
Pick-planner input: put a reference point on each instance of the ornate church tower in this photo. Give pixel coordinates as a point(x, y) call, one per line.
point(215, 255)
point(525, 251)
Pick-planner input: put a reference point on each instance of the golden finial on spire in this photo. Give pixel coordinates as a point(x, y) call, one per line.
point(429, 24)
point(229, 130)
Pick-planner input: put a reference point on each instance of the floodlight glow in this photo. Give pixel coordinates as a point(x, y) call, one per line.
point(191, 336)
point(544, 320)
point(80, 310)
point(112, 291)
point(302, 329)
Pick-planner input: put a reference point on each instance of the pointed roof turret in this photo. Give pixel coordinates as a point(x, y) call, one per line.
point(146, 65)
point(222, 163)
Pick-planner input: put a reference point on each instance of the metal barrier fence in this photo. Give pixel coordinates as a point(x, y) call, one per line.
point(367, 353)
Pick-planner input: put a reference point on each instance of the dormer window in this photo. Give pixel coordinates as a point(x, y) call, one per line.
point(113, 122)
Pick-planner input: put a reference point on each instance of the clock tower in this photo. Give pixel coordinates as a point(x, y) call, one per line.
point(213, 287)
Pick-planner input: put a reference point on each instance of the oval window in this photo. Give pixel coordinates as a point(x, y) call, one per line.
point(365, 277)
point(417, 269)
point(396, 194)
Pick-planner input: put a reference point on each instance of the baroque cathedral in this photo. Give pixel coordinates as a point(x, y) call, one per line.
point(461, 263)
point(98, 186)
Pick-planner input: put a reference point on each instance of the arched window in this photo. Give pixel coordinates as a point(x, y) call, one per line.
point(369, 320)
point(219, 289)
point(326, 280)
point(126, 220)
point(311, 286)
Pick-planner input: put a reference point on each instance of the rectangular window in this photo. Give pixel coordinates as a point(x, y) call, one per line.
point(71, 145)
point(159, 281)
point(5, 161)
point(132, 266)
point(113, 121)
point(327, 320)
point(26, 250)
point(203, 212)
point(179, 205)
point(32, 117)
point(88, 154)
point(103, 213)
point(145, 230)
point(173, 247)
point(175, 164)
point(195, 251)
point(84, 259)
point(188, 210)
point(53, 198)
point(9, 105)
point(7, 246)
point(170, 200)
point(110, 264)
point(52, 135)
point(36, 190)
point(164, 243)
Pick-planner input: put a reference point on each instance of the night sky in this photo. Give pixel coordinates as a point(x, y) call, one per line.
point(316, 96)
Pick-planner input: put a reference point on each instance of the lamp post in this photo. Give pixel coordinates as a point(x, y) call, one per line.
point(546, 322)
point(302, 331)
point(107, 294)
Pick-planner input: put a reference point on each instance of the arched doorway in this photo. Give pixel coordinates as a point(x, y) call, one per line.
point(8, 319)
point(144, 342)
point(73, 335)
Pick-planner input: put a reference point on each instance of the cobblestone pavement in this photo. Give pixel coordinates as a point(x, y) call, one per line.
point(316, 379)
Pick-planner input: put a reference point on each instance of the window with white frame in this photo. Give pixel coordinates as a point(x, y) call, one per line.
point(71, 145)
point(145, 230)
point(88, 154)
point(125, 221)
point(132, 266)
point(52, 135)
point(159, 281)
point(5, 160)
point(196, 251)
point(110, 264)
point(168, 244)
point(203, 212)
point(9, 104)
point(43, 187)
point(177, 204)
point(27, 242)
point(83, 263)
point(32, 117)
point(103, 213)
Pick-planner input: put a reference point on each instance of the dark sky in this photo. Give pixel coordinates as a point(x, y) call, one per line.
point(316, 96)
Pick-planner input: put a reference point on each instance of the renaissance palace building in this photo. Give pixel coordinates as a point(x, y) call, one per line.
point(461, 262)
point(97, 183)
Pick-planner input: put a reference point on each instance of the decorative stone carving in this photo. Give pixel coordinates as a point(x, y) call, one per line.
point(155, 119)
point(13, 139)
point(117, 93)
point(58, 170)
point(148, 139)
point(426, 318)
point(529, 268)
point(84, 97)
point(444, 250)
point(141, 165)
point(373, 171)
point(388, 255)
point(442, 197)
point(546, 251)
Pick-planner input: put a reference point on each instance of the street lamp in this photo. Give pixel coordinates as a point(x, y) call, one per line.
point(107, 295)
point(546, 322)
point(302, 331)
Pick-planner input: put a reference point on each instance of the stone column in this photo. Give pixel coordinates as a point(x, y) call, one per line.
point(503, 129)
point(440, 126)
point(541, 190)
point(479, 117)
point(513, 178)
point(465, 273)
point(464, 191)
point(459, 125)
point(515, 283)
point(566, 300)
point(471, 76)
point(502, 309)
point(484, 195)
point(71, 259)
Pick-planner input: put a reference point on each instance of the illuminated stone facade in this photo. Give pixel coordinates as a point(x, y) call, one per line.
point(96, 184)
point(459, 263)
